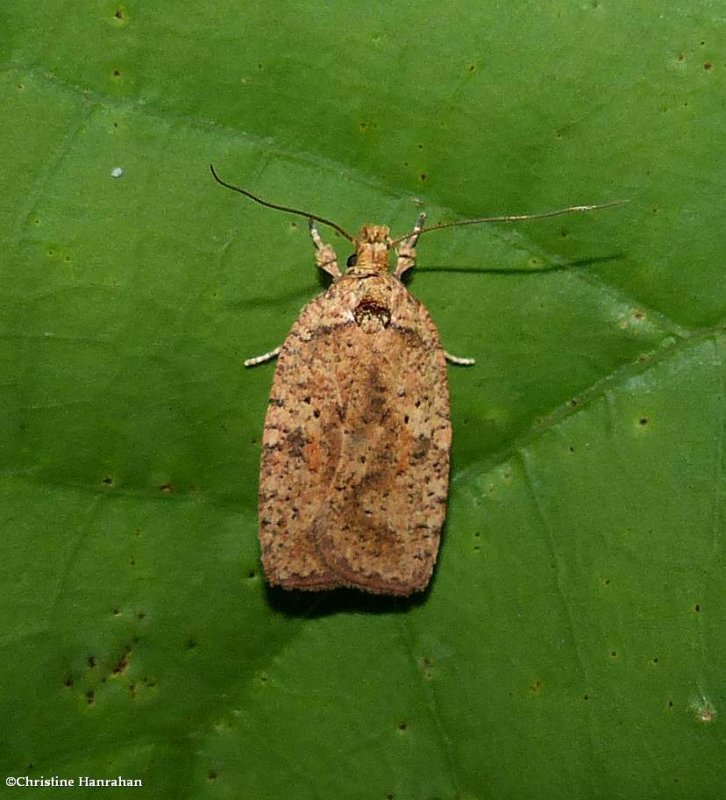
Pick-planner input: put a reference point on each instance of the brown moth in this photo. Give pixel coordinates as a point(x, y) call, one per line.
point(355, 450)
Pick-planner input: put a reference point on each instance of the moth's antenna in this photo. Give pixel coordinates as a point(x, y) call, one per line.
point(514, 218)
point(297, 211)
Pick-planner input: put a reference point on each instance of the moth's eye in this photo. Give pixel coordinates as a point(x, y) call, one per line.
point(352, 260)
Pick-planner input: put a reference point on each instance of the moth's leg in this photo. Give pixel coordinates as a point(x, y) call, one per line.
point(406, 253)
point(327, 260)
point(253, 362)
point(325, 256)
point(462, 362)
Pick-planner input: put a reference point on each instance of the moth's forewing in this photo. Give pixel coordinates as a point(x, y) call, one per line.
point(355, 462)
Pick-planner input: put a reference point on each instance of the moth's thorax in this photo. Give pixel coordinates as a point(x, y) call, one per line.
point(368, 299)
point(371, 249)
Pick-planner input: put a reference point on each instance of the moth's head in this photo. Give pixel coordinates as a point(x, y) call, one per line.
point(371, 249)
point(374, 241)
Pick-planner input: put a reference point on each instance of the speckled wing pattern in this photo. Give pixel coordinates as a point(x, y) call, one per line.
point(355, 461)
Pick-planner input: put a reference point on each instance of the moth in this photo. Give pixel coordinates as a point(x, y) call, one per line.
point(355, 451)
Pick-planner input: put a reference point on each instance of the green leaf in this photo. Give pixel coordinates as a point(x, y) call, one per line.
point(572, 642)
